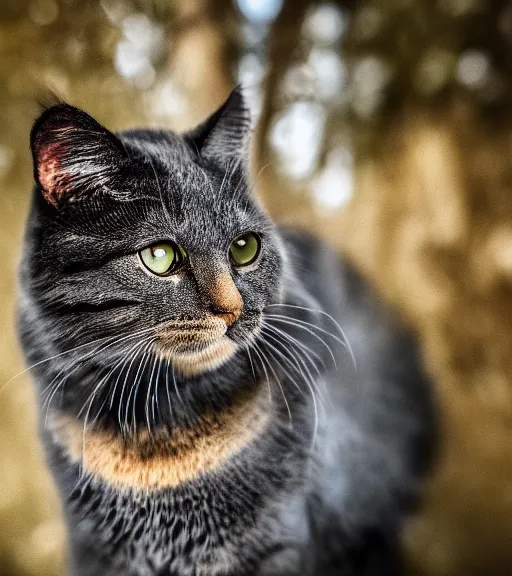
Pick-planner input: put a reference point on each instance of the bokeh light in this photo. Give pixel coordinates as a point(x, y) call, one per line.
point(142, 41)
point(260, 11)
point(473, 69)
point(325, 24)
point(333, 187)
point(296, 138)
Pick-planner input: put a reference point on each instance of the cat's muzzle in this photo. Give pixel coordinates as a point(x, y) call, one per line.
point(195, 346)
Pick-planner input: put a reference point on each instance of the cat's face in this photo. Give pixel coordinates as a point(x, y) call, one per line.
point(151, 237)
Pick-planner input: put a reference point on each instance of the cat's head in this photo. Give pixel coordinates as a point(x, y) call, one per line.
point(150, 237)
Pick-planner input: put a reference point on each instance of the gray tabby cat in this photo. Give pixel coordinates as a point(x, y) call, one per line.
point(218, 396)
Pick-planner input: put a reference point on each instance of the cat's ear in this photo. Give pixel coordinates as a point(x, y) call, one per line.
point(74, 156)
point(225, 134)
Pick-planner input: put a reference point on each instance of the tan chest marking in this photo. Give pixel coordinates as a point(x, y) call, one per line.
point(164, 459)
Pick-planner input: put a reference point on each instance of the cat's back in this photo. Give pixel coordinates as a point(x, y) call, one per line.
point(377, 398)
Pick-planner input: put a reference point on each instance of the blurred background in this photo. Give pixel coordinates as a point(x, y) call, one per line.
point(384, 126)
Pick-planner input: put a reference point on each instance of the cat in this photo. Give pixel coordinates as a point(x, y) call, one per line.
point(218, 396)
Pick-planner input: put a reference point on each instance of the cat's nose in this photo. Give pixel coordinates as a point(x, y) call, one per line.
point(225, 300)
point(228, 317)
point(220, 292)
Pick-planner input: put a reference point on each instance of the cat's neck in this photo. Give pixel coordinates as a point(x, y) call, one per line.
point(150, 399)
point(163, 457)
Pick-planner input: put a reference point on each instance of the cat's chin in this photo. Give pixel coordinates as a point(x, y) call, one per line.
point(194, 347)
point(192, 363)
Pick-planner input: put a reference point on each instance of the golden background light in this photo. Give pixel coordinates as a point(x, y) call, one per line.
point(383, 126)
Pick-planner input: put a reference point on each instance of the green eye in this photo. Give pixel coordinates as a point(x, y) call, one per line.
point(245, 249)
point(162, 259)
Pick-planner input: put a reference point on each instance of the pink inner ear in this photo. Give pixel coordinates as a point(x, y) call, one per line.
point(50, 173)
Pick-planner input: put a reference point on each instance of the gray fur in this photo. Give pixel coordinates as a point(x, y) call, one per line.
point(324, 491)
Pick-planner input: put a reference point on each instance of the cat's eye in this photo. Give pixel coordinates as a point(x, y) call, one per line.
point(162, 259)
point(245, 249)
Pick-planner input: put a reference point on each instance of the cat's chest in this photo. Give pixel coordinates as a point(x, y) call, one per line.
point(210, 503)
point(214, 526)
